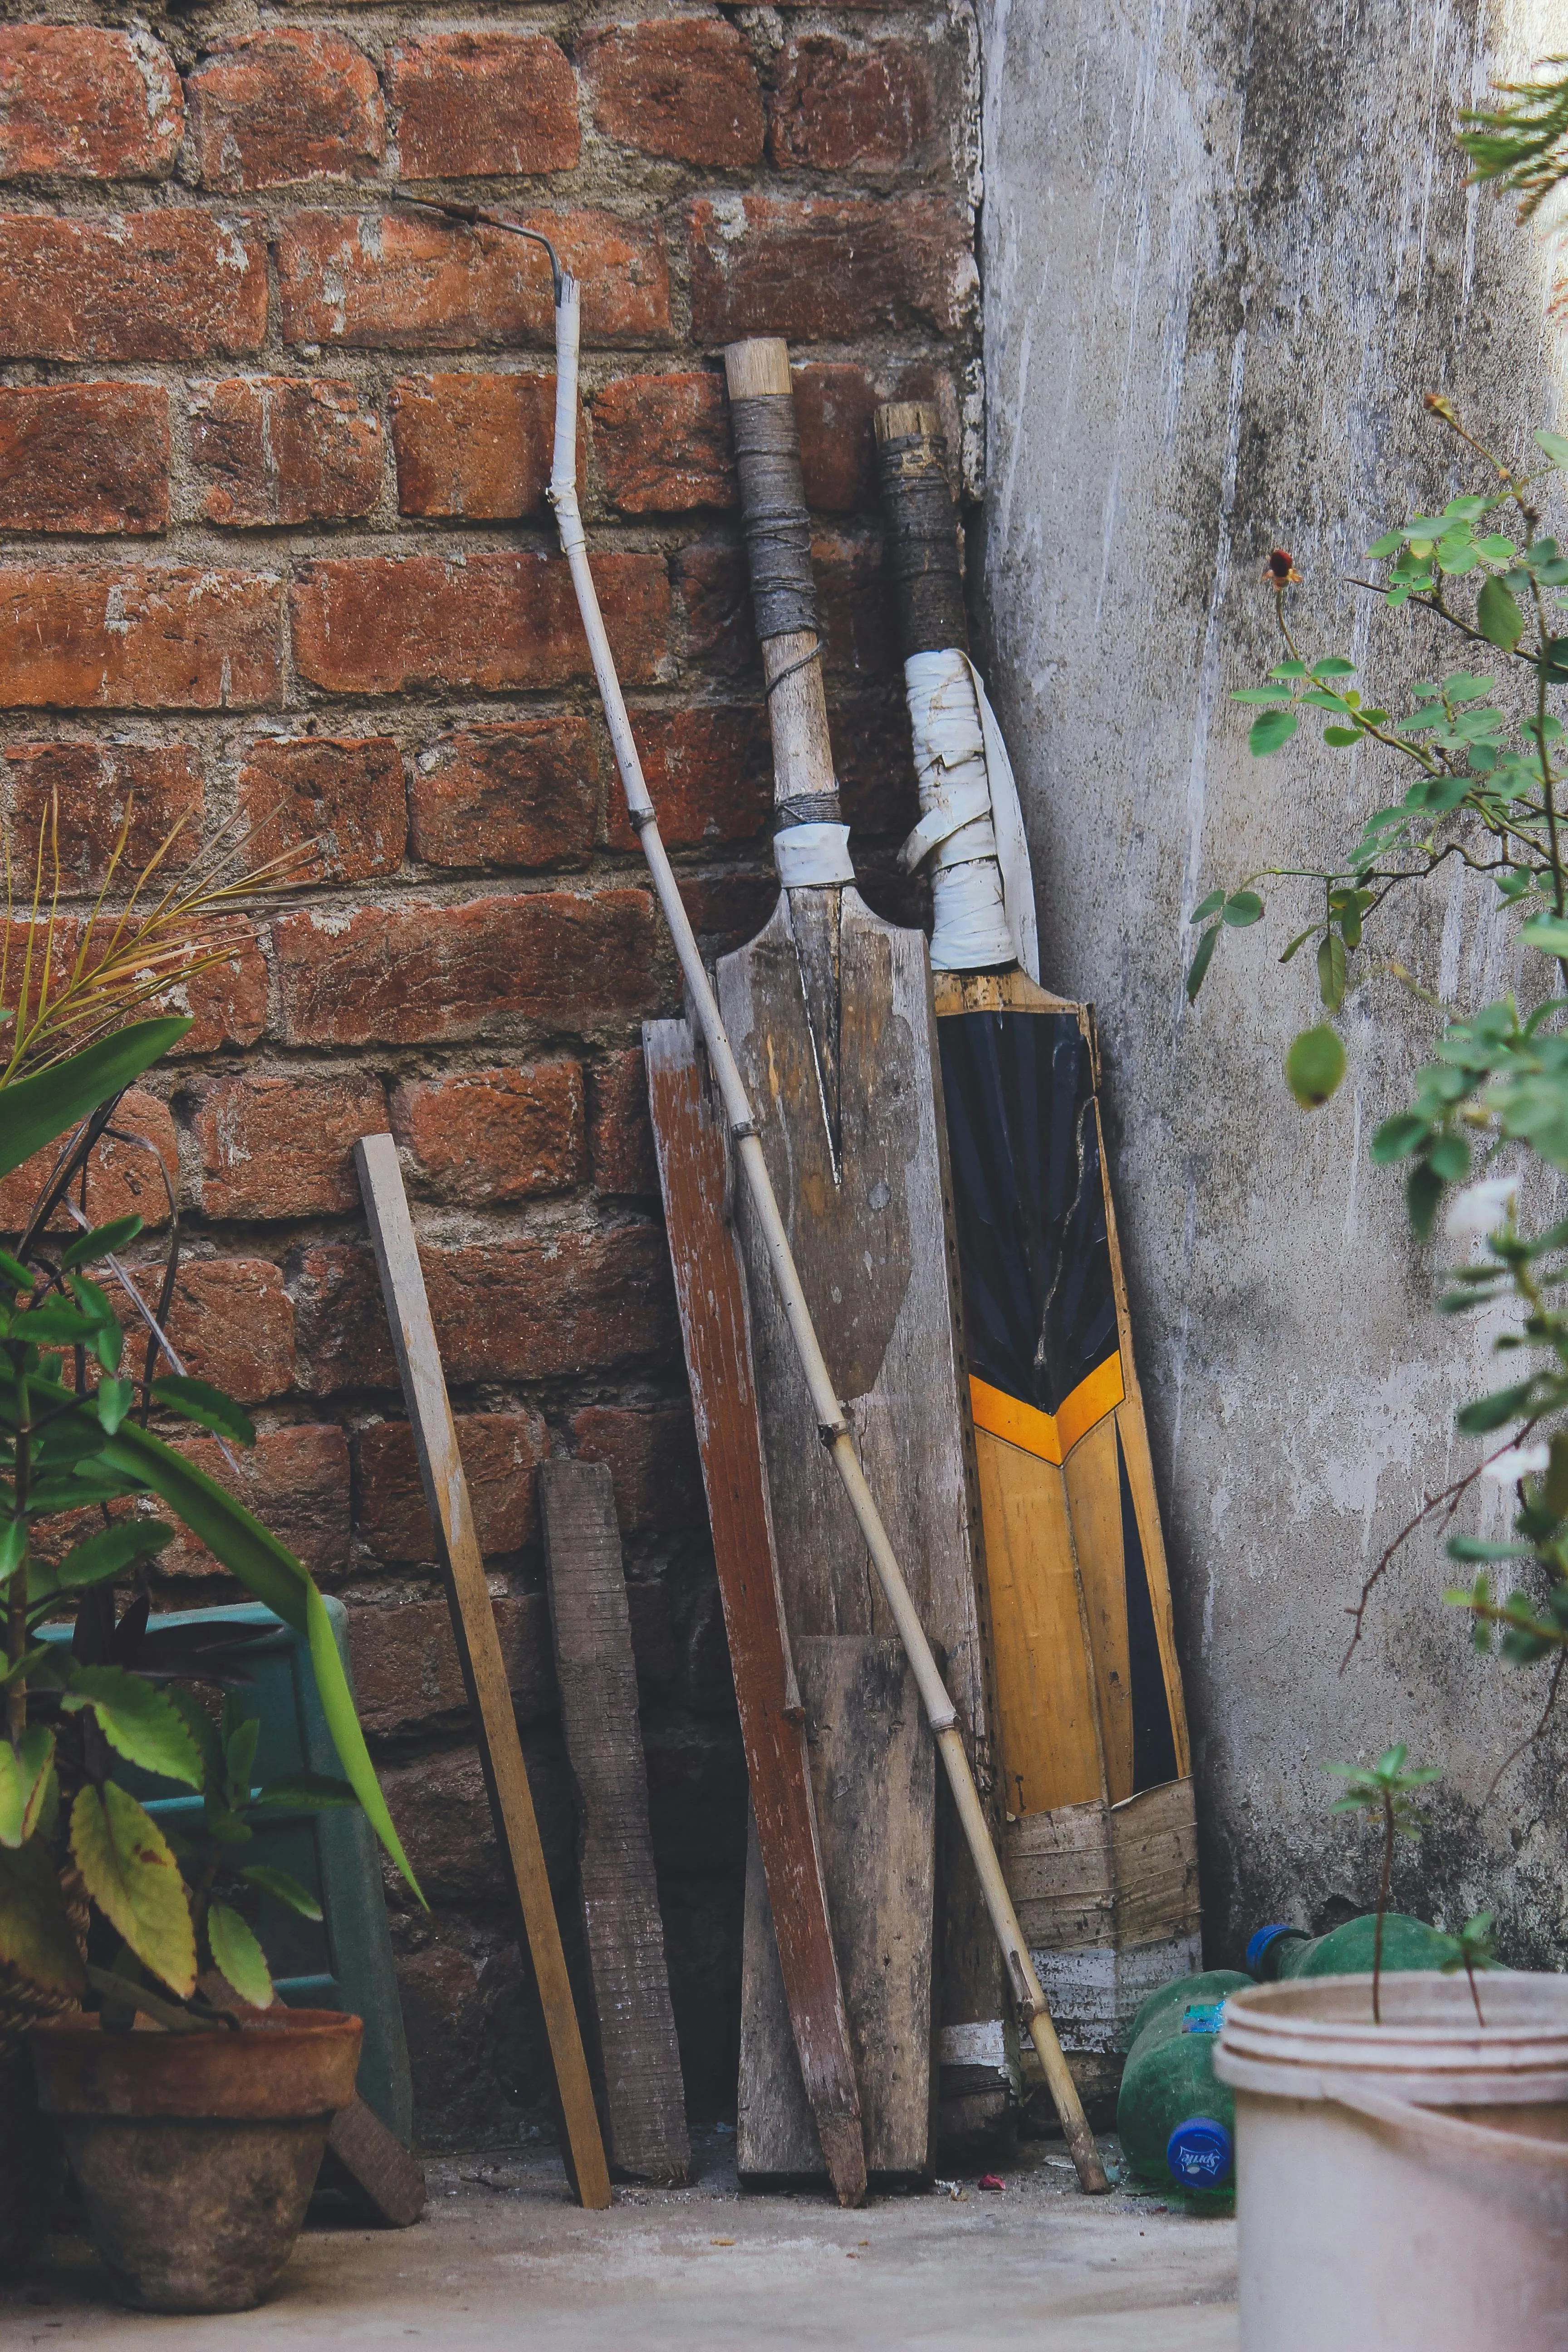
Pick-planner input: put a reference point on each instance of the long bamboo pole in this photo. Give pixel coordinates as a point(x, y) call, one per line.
point(831, 1425)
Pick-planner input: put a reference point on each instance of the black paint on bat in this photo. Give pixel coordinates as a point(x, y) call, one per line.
point(1039, 1310)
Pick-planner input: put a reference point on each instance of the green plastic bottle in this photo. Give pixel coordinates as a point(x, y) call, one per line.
point(1176, 2123)
point(1274, 1953)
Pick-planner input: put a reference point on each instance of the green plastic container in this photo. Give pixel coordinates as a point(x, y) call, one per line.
point(1409, 1944)
point(1176, 2123)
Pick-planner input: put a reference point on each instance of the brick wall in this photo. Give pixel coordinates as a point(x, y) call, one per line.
point(272, 459)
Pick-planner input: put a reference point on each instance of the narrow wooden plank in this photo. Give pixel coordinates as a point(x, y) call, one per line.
point(639, 2058)
point(370, 2165)
point(873, 1772)
point(868, 1214)
point(1092, 1477)
point(710, 1295)
point(1046, 1707)
point(479, 1647)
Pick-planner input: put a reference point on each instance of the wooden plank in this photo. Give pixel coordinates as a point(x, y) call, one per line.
point(873, 1770)
point(869, 1227)
point(1092, 1476)
point(1047, 1709)
point(370, 2165)
point(828, 1011)
point(710, 1295)
point(639, 2059)
point(1062, 1877)
point(479, 1647)
point(1154, 1859)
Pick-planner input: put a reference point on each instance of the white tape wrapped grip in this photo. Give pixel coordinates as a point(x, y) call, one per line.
point(970, 825)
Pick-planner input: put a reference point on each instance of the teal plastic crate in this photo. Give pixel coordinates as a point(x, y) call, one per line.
point(344, 1960)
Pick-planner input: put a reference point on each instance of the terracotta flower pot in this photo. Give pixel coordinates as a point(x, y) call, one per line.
point(196, 2153)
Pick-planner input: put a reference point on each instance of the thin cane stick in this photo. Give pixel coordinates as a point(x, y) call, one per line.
point(831, 1425)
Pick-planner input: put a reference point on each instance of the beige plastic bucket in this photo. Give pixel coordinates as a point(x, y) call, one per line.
point(1401, 2186)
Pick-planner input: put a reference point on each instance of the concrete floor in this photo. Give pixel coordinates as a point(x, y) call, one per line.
point(505, 2258)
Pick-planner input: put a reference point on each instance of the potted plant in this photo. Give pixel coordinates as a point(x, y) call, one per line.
point(195, 2144)
point(1403, 2157)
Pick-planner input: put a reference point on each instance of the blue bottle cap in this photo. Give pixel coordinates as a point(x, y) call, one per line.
point(1199, 2154)
point(1259, 1941)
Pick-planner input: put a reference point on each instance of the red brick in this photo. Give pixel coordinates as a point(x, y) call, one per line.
point(487, 1137)
point(227, 1000)
point(535, 1308)
point(232, 1323)
point(341, 1321)
point(443, 1819)
point(709, 769)
point(380, 624)
point(283, 1146)
point(664, 442)
point(284, 106)
point(121, 1179)
point(500, 1452)
point(168, 284)
point(838, 103)
point(682, 89)
point(875, 764)
point(405, 282)
point(477, 446)
point(343, 794)
point(84, 457)
point(422, 971)
point(851, 591)
point(621, 1140)
point(719, 629)
point(523, 795)
point(93, 788)
point(827, 272)
point(295, 1479)
point(653, 1462)
point(478, 105)
point(226, 997)
point(279, 449)
point(834, 408)
point(407, 1675)
point(515, 1309)
point(87, 105)
point(728, 910)
point(856, 612)
point(139, 638)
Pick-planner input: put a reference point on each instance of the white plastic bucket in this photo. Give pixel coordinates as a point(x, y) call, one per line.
point(1405, 2186)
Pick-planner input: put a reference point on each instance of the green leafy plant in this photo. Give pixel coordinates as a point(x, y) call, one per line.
point(1474, 1946)
point(82, 1473)
point(1521, 143)
point(1481, 759)
point(1385, 1793)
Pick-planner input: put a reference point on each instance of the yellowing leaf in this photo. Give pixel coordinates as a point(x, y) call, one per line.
point(239, 1956)
point(23, 1783)
point(34, 1934)
point(135, 1881)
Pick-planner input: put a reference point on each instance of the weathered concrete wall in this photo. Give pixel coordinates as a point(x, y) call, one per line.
point(1225, 248)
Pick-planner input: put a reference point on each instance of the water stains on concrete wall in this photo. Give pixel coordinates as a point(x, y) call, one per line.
point(1226, 249)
